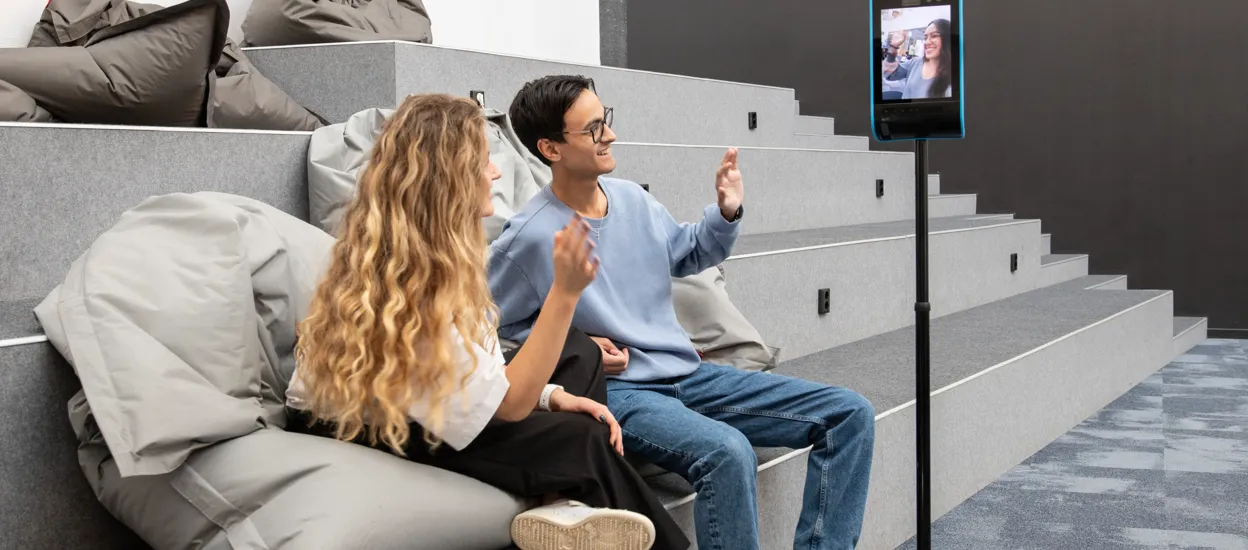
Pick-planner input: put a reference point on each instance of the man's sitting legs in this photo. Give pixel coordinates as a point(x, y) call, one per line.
point(702, 427)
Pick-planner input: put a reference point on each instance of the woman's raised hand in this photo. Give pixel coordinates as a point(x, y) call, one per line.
point(575, 263)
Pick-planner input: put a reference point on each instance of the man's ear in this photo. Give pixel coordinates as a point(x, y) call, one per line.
point(549, 150)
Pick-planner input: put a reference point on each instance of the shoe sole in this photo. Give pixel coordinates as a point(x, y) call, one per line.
point(604, 530)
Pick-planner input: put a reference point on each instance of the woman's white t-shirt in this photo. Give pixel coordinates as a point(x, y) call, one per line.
point(466, 412)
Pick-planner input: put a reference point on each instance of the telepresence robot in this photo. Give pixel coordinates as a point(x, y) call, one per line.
point(918, 93)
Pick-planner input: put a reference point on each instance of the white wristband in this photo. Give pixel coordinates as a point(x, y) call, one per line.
point(544, 402)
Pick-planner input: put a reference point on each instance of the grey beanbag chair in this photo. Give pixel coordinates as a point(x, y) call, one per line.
point(179, 321)
point(338, 154)
point(111, 62)
point(245, 99)
point(16, 106)
point(293, 22)
point(233, 95)
point(716, 327)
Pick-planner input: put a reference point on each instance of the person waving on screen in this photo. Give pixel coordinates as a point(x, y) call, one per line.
point(931, 75)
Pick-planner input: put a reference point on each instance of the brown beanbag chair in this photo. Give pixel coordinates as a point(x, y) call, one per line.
point(16, 106)
point(291, 22)
point(113, 62)
point(245, 99)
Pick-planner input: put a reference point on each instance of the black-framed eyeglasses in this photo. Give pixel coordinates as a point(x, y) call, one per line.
point(597, 128)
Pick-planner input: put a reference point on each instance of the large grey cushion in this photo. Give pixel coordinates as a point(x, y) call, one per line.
point(339, 153)
point(716, 327)
point(244, 98)
point(275, 490)
point(180, 323)
point(18, 106)
point(292, 22)
point(231, 95)
point(113, 62)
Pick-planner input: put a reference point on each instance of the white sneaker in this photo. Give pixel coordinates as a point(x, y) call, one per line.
point(571, 525)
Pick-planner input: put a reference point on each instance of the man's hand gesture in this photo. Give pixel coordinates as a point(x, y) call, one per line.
point(728, 185)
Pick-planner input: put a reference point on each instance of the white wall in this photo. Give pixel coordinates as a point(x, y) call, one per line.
point(17, 20)
point(558, 30)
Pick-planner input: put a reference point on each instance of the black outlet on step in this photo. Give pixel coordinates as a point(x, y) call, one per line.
point(825, 301)
point(753, 120)
point(879, 188)
point(1013, 263)
point(478, 96)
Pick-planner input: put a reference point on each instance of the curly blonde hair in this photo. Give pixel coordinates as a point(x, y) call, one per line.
point(409, 264)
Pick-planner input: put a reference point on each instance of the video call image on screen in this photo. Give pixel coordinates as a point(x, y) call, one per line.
point(915, 60)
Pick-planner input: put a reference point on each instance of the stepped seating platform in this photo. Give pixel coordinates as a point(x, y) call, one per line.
point(337, 80)
point(1019, 354)
point(128, 164)
point(814, 125)
point(774, 279)
point(1007, 379)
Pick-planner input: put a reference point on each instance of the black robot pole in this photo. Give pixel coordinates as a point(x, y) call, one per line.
point(923, 356)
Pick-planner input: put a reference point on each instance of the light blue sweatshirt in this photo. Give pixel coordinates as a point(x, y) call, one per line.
point(640, 247)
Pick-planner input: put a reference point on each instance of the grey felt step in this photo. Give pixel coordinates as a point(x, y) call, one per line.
point(1007, 378)
point(1188, 332)
point(65, 184)
point(17, 320)
point(1095, 282)
point(815, 125)
point(775, 279)
point(337, 80)
point(993, 216)
point(933, 184)
point(1184, 324)
point(943, 206)
point(46, 502)
point(785, 189)
point(836, 143)
point(1059, 268)
point(1046, 243)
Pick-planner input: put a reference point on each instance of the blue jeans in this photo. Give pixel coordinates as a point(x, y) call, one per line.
point(704, 426)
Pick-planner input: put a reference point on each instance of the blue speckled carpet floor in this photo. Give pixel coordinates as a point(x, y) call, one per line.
point(1164, 466)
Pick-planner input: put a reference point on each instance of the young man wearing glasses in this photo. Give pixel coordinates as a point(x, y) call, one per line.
point(696, 419)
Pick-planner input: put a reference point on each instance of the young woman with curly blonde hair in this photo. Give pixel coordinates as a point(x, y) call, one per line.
point(399, 350)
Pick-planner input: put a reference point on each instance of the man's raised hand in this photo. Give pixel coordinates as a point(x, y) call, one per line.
point(728, 185)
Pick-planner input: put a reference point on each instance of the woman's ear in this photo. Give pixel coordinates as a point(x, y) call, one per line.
point(548, 149)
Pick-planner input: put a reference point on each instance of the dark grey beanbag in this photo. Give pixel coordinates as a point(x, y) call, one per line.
point(245, 99)
point(291, 22)
point(112, 62)
point(16, 106)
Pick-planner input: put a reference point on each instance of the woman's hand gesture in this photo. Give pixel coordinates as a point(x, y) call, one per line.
point(575, 263)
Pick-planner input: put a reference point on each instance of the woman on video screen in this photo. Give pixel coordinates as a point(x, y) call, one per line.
point(931, 75)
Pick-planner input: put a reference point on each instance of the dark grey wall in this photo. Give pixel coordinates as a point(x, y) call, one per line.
point(1123, 125)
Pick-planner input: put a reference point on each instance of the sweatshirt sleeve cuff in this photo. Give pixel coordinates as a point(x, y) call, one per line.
point(716, 222)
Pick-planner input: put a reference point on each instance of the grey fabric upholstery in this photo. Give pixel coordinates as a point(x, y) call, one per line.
point(184, 345)
point(292, 22)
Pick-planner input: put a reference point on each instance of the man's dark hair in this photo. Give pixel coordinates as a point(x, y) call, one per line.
point(538, 108)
